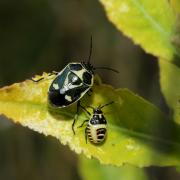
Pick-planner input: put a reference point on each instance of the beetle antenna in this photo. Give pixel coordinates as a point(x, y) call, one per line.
point(90, 51)
point(107, 68)
point(107, 104)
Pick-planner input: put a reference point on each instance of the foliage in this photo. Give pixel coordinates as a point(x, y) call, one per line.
point(170, 86)
point(149, 23)
point(86, 167)
point(138, 132)
point(155, 26)
point(133, 123)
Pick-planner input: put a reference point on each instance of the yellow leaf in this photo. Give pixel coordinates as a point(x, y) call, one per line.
point(135, 126)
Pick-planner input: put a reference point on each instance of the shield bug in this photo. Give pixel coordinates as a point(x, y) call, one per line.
point(72, 83)
point(96, 128)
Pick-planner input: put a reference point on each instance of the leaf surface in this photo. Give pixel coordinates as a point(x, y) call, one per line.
point(149, 23)
point(138, 133)
point(170, 86)
point(86, 167)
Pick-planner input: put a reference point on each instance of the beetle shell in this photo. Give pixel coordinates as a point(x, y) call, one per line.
point(70, 85)
point(97, 128)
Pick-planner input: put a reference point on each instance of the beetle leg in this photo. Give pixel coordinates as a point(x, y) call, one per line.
point(83, 123)
point(36, 80)
point(76, 116)
point(89, 93)
point(85, 131)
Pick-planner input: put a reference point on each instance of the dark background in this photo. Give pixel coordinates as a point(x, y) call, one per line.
point(44, 35)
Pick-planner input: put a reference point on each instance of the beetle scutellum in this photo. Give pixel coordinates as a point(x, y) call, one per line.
point(72, 83)
point(96, 128)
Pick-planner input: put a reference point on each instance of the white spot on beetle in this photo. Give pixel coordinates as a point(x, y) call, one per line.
point(74, 79)
point(100, 116)
point(55, 86)
point(68, 98)
point(62, 91)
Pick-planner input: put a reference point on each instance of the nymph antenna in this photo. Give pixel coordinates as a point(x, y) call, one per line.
point(107, 104)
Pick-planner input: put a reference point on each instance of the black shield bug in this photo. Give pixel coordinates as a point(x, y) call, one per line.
point(96, 128)
point(72, 83)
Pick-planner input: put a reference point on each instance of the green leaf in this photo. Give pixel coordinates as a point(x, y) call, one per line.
point(150, 23)
point(138, 133)
point(175, 39)
point(126, 172)
point(170, 86)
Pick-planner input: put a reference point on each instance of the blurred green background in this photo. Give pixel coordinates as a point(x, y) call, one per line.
point(45, 35)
